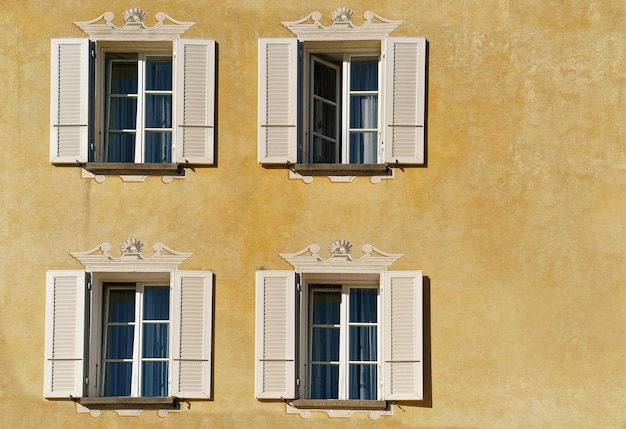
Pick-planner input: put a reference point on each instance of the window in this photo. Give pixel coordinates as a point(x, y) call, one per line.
point(131, 99)
point(332, 100)
point(128, 328)
point(138, 114)
point(341, 331)
point(135, 333)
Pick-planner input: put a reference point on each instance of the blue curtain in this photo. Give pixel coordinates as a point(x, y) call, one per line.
point(122, 112)
point(363, 344)
point(158, 144)
point(120, 336)
point(156, 314)
point(325, 319)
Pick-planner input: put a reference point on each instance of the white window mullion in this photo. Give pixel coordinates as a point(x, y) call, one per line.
point(140, 120)
point(345, 110)
point(136, 371)
point(344, 338)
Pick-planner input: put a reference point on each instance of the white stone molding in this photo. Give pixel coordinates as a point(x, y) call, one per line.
point(100, 260)
point(123, 413)
point(134, 27)
point(305, 413)
point(308, 259)
point(100, 178)
point(342, 27)
point(338, 179)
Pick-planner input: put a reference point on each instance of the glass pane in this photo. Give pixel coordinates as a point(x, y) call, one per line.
point(325, 344)
point(117, 379)
point(364, 148)
point(123, 78)
point(120, 342)
point(363, 382)
point(158, 111)
point(155, 340)
point(364, 111)
point(123, 113)
point(325, 119)
point(364, 76)
point(121, 305)
point(326, 308)
point(156, 303)
point(324, 382)
point(159, 74)
point(121, 147)
point(154, 379)
point(363, 343)
point(324, 81)
point(159, 147)
point(363, 305)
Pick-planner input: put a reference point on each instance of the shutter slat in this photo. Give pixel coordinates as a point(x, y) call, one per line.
point(403, 323)
point(275, 334)
point(65, 334)
point(192, 327)
point(69, 100)
point(195, 101)
point(406, 98)
point(278, 79)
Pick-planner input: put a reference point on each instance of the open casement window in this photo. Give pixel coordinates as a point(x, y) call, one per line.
point(132, 107)
point(128, 335)
point(354, 103)
point(351, 340)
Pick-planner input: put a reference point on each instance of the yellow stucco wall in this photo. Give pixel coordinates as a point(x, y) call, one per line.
point(518, 219)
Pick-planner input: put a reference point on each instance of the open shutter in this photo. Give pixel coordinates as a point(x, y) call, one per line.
point(194, 89)
point(65, 334)
point(405, 95)
point(192, 321)
point(69, 101)
point(403, 364)
point(275, 335)
point(278, 98)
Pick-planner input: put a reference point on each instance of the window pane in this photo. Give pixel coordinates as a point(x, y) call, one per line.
point(117, 379)
point(324, 382)
point(363, 305)
point(324, 81)
point(120, 342)
point(325, 119)
point(364, 76)
point(159, 74)
point(155, 340)
point(123, 113)
point(326, 308)
point(364, 148)
point(121, 305)
point(363, 343)
point(364, 111)
point(123, 78)
point(121, 147)
point(158, 111)
point(159, 147)
point(154, 379)
point(363, 382)
point(325, 345)
point(156, 303)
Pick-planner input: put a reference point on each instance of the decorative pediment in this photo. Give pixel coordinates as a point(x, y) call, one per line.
point(134, 27)
point(342, 28)
point(100, 260)
point(308, 259)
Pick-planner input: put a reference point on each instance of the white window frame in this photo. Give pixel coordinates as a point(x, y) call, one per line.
point(78, 98)
point(282, 324)
point(74, 322)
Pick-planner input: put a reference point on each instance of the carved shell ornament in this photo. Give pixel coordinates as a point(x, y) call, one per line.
point(342, 14)
point(340, 247)
point(134, 15)
point(131, 245)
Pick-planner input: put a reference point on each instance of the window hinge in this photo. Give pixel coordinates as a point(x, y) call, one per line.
point(298, 283)
point(297, 382)
point(87, 380)
point(91, 146)
point(88, 285)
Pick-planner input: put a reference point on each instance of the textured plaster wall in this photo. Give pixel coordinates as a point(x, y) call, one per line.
point(518, 219)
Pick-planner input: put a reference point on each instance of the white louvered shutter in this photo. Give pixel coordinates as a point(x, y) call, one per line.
point(405, 95)
point(69, 101)
point(194, 89)
point(192, 320)
point(278, 97)
point(65, 334)
point(403, 366)
point(275, 335)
